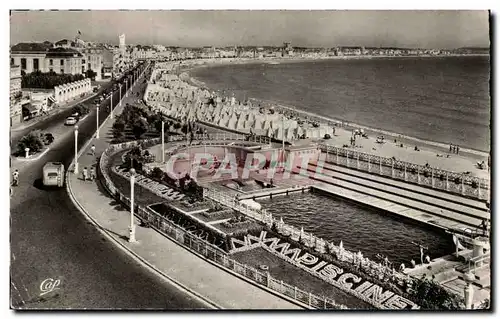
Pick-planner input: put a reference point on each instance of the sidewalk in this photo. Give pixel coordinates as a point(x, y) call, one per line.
point(58, 109)
point(189, 272)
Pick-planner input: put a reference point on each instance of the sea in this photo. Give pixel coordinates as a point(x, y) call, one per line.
point(438, 99)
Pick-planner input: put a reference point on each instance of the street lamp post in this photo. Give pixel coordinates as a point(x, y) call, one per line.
point(120, 101)
point(97, 124)
point(126, 87)
point(111, 107)
point(162, 141)
point(76, 150)
point(132, 227)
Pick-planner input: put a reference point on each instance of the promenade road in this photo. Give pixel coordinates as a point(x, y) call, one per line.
point(51, 239)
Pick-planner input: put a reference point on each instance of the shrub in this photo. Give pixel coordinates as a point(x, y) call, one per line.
point(156, 173)
point(474, 184)
point(33, 140)
point(81, 109)
point(139, 127)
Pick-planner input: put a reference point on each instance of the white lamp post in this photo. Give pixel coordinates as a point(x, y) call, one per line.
point(97, 124)
point(120, 101)
point(111, 107)
point(27, 152)
point(162, 141)
point(132, 227)
point(76, 149)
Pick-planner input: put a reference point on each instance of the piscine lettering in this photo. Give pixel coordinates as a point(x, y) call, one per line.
point(328, 272)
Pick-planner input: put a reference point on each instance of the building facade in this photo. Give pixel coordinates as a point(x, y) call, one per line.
point(15, 94)
point(143, 53)
point(29, 56)
point(92, 60)
point(64, 61)
point(73, 90)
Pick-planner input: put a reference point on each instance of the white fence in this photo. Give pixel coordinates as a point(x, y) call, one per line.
point(444, 180)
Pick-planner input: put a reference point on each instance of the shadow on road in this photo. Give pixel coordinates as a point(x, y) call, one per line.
point(38, 183)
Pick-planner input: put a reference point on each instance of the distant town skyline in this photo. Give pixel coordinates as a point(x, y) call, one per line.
point(415, 29)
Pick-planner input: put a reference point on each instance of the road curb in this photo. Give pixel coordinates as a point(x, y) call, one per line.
point(29, 159)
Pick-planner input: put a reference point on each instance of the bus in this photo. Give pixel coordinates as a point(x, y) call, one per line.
point(53, 174)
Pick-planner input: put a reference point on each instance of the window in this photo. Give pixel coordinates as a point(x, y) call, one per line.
point(83, 69)
point(36, 64)
point(62, 62)
point(83, 61)
point(11, 61)
point(51, 62)
point(23, 63)
point(51, 70)
point(89, 66)
point(62, 71)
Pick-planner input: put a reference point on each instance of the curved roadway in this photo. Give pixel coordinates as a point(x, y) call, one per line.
point(51, 239)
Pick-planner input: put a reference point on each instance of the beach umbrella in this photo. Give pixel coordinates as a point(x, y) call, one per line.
point(341, 245)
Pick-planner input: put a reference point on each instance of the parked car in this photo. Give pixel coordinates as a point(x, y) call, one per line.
point(70, 121)
point(48, 138)
point(95, 89)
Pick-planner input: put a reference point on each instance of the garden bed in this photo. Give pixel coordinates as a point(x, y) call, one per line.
point(190, 224)
point(192, 207)
point(216, 215)
point(253, 226)
point(292, 275)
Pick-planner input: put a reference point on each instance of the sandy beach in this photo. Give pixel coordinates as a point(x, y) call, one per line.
point(432, 153)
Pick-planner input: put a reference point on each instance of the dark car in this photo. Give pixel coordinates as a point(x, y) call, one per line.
point(48, 138)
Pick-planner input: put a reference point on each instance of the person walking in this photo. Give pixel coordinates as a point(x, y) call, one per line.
point(85, 174)
point(92, 174)
point(92, 150)
point(15, 178)
point(458, 149)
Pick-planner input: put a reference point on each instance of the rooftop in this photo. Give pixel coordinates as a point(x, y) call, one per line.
point(31, 47)
point(65, 42)
point(62, 52)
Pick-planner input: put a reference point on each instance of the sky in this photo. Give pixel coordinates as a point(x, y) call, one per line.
point(423, 29)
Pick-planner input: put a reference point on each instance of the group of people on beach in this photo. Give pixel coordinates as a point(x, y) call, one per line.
point(454, 148)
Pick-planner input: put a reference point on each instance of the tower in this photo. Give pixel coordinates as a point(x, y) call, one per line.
point(122, 41)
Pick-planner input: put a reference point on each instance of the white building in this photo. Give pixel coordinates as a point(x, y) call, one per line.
point(73, 90)
point(15, 94)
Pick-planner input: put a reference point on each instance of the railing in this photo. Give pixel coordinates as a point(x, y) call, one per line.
point(440, 179)
point(211, 252)
point(308, 239)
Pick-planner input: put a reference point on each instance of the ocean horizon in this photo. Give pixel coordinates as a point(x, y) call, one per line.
point(438, 99)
